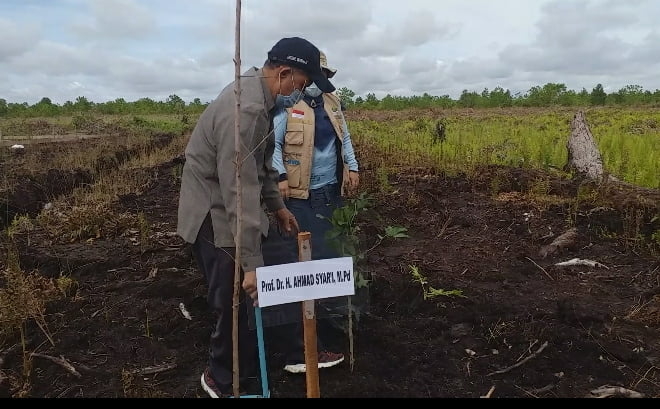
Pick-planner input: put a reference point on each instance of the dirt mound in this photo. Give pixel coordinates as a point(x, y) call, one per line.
point(33, 191)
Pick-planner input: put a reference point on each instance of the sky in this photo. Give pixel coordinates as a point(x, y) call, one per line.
point(109, 49)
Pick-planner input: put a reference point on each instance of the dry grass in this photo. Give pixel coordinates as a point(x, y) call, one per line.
point(24, 297)
point(647, 313)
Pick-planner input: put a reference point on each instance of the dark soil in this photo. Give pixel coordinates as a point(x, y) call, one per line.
point(26, 193)
point(523, 326)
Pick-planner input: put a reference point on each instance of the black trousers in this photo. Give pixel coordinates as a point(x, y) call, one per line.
point(217, 266)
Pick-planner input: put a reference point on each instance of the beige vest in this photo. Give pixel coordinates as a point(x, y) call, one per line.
point(298, 148)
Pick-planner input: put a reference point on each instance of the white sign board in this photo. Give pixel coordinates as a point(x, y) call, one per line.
point(305, 280)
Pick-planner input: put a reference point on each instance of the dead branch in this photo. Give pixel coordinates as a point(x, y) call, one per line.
point(544, 389)
point(151, 370)
point(581, 262)
point(600, 209)
point(608, 390)
point(542, 269)
point(444, 227)
point(505, 370)
point(61, 361)
point(490, 393)
point(530, 393)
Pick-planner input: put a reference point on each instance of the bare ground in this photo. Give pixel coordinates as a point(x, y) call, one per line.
point(524, 327)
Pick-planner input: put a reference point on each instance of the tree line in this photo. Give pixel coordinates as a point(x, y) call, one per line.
point(46, 108)
point(550, 94)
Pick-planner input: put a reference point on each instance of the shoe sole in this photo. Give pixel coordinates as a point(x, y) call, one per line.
point(302, 368)
point(208, 389)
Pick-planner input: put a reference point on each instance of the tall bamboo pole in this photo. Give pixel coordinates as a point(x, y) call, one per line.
point(239, 199)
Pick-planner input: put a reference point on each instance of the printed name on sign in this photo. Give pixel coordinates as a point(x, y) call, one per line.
point(307, 280)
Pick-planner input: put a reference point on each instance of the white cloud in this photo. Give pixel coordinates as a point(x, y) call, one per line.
point(106, 49)
point(113, 20)
point(15, 40)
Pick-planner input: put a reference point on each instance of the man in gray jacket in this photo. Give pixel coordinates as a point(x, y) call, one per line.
point(207, 215)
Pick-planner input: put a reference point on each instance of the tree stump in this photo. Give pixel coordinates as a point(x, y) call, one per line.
point(583, 155)
point(635, 209)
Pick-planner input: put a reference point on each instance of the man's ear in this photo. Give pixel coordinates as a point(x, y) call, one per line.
point(284, 71)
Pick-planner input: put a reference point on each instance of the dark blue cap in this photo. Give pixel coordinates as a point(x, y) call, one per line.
point(300, 53)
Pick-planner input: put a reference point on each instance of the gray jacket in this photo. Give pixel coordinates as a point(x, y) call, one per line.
point(208, 182)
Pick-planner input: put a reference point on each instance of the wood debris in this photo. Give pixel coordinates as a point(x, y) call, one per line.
point(565, 240)
point(607, 390)
point(581, 262)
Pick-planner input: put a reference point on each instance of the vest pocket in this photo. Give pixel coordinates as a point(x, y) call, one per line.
point(294, 134)
point(293, 170)
point(293, 152)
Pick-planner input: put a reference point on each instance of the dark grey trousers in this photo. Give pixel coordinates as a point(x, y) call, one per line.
point(217, 266)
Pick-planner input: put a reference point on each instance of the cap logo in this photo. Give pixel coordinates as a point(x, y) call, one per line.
point(297, 59)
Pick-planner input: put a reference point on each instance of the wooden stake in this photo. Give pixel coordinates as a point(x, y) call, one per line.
point(309, 324)
point(239, 204)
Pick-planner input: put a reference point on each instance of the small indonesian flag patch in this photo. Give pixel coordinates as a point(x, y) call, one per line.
point(297, 114)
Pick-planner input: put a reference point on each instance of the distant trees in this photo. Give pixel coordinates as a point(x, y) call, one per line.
point(634, 95)
point(550, 94)
point(175, 103)
point(82, 104)
point(345, 96)
point(45, 107)
point(547, 95)
point(598, 95)
point(499, 97)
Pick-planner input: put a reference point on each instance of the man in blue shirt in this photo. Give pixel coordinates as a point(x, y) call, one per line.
point(316, 162)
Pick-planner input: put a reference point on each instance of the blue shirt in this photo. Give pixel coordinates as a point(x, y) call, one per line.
point(324, 160)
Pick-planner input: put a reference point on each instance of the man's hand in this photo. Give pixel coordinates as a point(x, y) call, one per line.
point(353, 181)
point(285, 191)
point(287, 222)
point(250, 286)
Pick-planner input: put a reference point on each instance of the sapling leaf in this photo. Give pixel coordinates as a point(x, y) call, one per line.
point(396, 232)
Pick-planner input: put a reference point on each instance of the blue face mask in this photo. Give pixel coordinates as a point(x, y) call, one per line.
point(287, 101)
point(313, 90)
